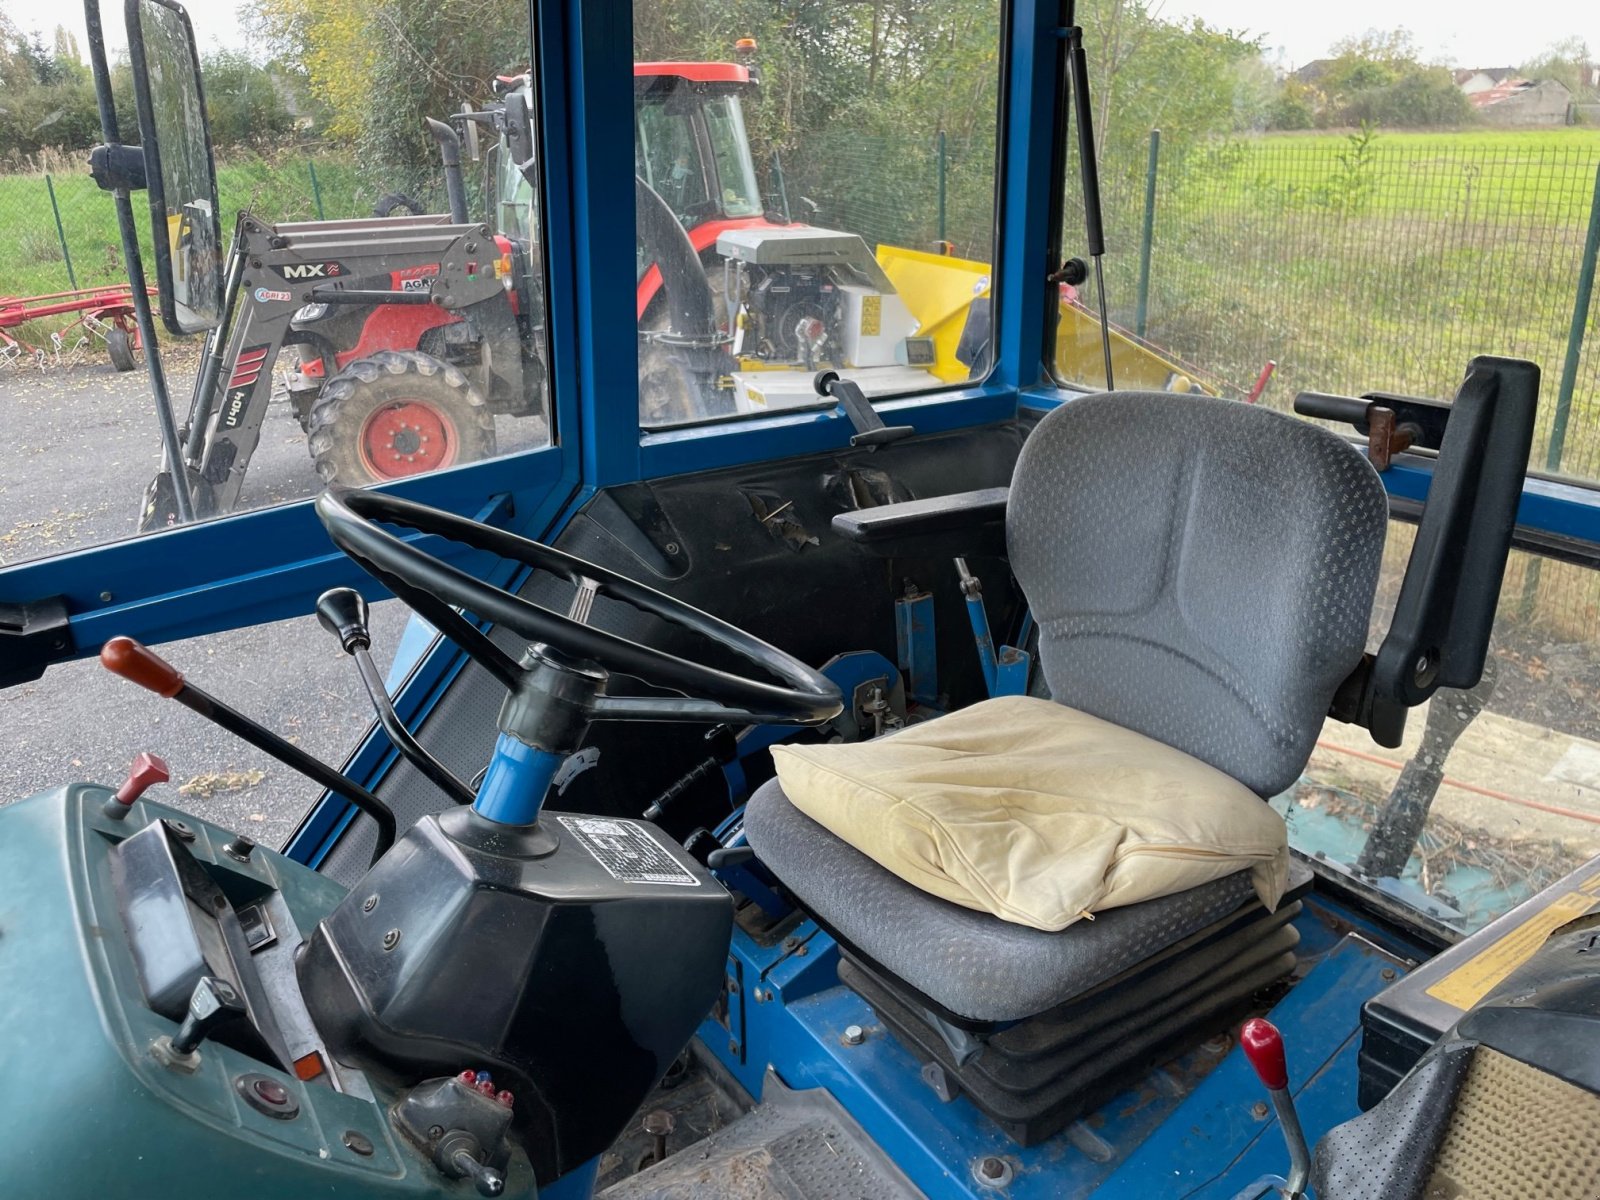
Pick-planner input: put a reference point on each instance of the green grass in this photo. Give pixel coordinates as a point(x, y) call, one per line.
point(1542, 174)
point(31, 260)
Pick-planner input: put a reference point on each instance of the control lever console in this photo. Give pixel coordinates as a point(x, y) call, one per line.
point(460, 1123)
point(138, 664)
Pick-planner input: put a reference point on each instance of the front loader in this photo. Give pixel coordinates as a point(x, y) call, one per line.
point(413, 330)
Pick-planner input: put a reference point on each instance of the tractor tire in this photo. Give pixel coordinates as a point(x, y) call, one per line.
point(390, 201)
point(394, 414)
point(119, 346)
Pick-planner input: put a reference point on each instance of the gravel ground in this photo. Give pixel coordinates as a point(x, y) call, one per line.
point(84, 445)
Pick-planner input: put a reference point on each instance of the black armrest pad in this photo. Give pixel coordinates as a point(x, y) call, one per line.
point(966, 523)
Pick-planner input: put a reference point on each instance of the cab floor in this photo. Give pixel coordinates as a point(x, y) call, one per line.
point(794, 1146)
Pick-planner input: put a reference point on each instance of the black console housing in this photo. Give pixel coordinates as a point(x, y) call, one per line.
point(573, 960)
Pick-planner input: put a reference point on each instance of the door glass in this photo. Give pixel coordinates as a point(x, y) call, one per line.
point(816, 189)
point(1504, 779)
point(82, 722)
point(446, 371)
point(1367, 221)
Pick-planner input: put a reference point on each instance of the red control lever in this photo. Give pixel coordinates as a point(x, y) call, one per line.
point(1263, 1046)
point(138, 664)
point(147, 769)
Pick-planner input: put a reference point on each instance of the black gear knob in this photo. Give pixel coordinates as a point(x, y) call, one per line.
point(213, 1002)
point(343, 613)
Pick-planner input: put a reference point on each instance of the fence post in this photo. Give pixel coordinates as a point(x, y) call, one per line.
point(1147, 237)
point(1575, 332)
point(1569, 378)
point(61, 232)
point(316, 189)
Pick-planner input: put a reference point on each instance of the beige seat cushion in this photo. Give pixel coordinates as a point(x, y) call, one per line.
point(1036, 812)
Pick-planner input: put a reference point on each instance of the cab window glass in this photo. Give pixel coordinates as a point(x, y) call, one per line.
point(816, 189)
point(1495, 792)
point(310, 391)
point(1362, 218)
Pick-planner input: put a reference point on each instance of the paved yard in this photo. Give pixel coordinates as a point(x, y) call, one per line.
point(83, 444)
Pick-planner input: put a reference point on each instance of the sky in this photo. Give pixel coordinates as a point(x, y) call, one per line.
point(1465, 33)
point(216, 22)
point(1472, 33)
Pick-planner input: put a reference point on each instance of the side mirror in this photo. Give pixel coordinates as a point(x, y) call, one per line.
point(519, 129)
point(181, 175)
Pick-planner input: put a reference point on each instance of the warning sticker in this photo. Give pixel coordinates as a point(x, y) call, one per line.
point(628, 852)
point(871, 316)
point(1475, 978)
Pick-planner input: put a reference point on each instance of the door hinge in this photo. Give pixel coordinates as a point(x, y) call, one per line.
point(32, 636)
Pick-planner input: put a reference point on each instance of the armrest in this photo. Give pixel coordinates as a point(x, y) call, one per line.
point(955, 526)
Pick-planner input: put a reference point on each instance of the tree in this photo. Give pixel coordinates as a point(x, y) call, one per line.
point(1565, 61)
point(1376, 77)
point(243, 103)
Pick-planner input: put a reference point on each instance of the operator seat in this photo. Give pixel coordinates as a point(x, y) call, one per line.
point(1202, 572)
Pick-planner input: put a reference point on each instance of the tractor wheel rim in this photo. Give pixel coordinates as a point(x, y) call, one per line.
point(408, 437)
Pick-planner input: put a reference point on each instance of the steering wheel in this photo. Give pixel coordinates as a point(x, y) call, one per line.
point(435, 589)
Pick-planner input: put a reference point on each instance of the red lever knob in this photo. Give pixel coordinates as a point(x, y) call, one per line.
point(147, 769)
point(126, 657)
point(1263, 1046)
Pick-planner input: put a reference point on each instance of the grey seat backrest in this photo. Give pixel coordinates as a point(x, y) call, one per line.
point(1202, 571)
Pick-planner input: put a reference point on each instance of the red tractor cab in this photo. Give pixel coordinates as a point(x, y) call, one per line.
point(691, 146)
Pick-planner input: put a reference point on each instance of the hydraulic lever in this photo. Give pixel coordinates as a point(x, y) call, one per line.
point(1263, 1046)
point(343, 613)
point(134, 662)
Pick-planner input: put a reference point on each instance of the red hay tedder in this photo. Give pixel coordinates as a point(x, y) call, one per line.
point(105, 313)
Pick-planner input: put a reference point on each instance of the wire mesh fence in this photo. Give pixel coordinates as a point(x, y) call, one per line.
point(1365, 263)
point(60, 229)
point(1357, 265)
point(922, 192)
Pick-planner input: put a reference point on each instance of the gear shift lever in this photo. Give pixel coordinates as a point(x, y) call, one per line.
point(1263, 1046)
point(343, 613)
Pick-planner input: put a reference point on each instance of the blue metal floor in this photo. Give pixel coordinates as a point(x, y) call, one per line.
point(1196, 1127)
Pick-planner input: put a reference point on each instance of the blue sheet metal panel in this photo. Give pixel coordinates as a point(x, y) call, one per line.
point(1216, 1144)
point(1024, 299)
point(600, 175)
point(1182, 1139)
point(250, 568)
point(1568, 510)
point(917, 647)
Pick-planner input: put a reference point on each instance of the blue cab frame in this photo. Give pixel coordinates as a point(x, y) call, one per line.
point(263, 566)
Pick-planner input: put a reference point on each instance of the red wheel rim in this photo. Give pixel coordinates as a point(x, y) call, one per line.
point(407, 437)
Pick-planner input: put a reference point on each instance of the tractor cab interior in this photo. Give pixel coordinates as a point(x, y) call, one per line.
point(874, 789)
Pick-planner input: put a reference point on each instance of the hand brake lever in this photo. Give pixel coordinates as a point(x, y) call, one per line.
point(138, 664)
point(343, 613)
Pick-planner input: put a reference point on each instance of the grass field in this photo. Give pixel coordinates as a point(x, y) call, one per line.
point(1538, 174)
point(31, 260)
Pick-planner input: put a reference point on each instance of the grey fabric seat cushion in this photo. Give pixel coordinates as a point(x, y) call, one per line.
point(971, 963)
point(1202, 571)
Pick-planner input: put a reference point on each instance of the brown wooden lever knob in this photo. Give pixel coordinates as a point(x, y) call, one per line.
point(126, 657)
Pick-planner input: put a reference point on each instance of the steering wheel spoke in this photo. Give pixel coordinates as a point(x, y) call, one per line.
point(583, 601)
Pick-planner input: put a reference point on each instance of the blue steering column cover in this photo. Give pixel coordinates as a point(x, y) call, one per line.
point(515, 783)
